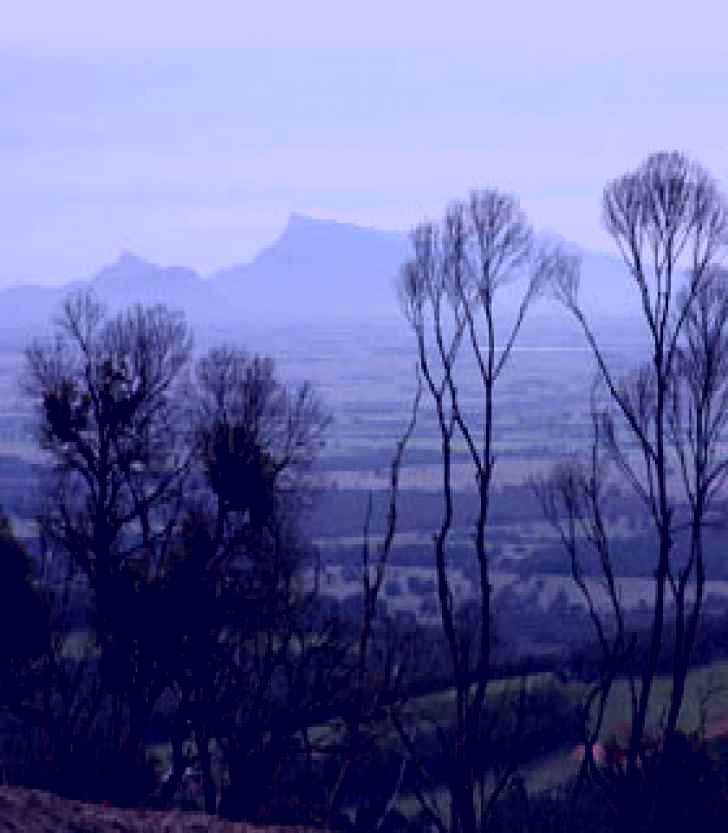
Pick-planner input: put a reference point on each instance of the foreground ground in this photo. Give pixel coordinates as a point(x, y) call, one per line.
point(33, 811)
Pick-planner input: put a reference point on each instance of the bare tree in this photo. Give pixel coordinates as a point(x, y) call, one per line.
point(110, 421)
point(697, 418)
point(375, 684)
point(573, 498)
point(448, 292)
point(233, 588)
point(670, 224)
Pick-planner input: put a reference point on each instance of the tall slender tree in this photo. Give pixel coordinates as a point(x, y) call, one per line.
point(449, 290)
point(670, 223)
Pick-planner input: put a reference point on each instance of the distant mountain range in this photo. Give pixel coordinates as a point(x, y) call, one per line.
point(316, 271)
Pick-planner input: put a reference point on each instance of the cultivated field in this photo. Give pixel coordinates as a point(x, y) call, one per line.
point(366, 378)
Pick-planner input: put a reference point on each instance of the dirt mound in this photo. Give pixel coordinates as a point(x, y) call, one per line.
point(33, 811)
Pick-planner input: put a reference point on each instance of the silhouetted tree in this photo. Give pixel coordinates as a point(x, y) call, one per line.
point(112, 424)
point(24, 618)
point(671, 226)
point(382, 653)
point(233, 592)
point(449, 291)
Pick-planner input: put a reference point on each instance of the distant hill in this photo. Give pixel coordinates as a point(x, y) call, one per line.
point(148, 283)
point(27, 311)
point(317, 270)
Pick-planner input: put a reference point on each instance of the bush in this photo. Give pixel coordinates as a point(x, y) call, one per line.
point(24, 625)
point(677, 787)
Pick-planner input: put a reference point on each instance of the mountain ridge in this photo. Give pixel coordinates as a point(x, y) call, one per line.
point(315, 270)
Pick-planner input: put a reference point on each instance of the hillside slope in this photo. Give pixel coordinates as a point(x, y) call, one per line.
point(33, 811)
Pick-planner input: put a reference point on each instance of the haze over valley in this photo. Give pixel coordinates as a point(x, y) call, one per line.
point(322, 301)
point(315, 272)
point(363, 417)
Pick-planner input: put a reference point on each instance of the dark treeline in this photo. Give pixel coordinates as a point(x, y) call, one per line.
point(171, 641)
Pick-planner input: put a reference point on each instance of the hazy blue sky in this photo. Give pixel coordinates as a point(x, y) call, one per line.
point(187, 132)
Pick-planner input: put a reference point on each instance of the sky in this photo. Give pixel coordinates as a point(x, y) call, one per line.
point(188, 132)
